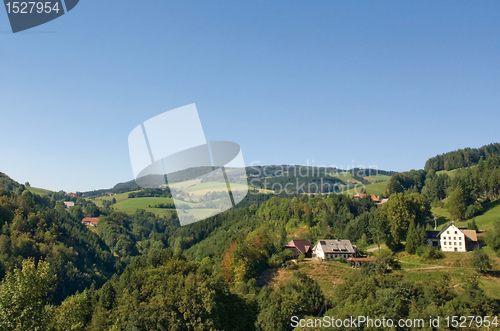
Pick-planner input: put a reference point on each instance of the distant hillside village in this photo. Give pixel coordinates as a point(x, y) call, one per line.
point(374, 198)
point(449, 239)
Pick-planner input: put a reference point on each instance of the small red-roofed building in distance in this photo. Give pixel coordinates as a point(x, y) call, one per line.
point(300, 246)
point(374, 198)
point(90, 221)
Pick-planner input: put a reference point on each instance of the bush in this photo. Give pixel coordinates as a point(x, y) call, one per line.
point(275, 261)
point(429, 253)
point(480, 260)
point(385, 263)
point(433, 254)
point(421, 250)
point(473, 210)
point(301, 258)
point(472, 225)
point(341, 260)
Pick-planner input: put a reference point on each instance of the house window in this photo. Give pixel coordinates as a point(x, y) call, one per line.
point(455, 243)
point(456, 232)
point(454, 238)
point(448, 232)
point(455, 249)
point(460, 243)
point(444, 237)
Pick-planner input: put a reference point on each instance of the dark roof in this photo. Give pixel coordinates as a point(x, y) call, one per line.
point(432, 234)
point(336, 246)
point(302, 245)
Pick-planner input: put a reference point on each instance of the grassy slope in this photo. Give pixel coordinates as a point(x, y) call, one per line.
point(123, 203)
point(453, 172)
point(327, 274)
point(379, 178)
point(484, 221)
point(39, 191)
point(345, 176)
point(376, 189)
point(455, 265)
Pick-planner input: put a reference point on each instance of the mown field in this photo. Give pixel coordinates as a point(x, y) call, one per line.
point(194, 188)
point(39, 191)
point(484, 221)
point(377, 187)
point(130, 205)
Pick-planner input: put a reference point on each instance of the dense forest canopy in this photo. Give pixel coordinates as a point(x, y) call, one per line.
point(461, 158)
point(139, 271)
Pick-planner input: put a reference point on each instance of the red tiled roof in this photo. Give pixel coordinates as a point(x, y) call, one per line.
point(362, 195)
point(91, 220)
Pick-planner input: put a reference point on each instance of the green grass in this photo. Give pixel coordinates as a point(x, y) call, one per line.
point(484, 221)
point(345, 176)
point(453, 173)
point(378, 178)
point(129, 206)
point(39, 191)
point(119, 198)
point(376, 189)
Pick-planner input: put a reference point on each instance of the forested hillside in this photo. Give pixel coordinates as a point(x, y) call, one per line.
point(461, 158)
point(462, 194)
point(139, 271)
point(41, 228)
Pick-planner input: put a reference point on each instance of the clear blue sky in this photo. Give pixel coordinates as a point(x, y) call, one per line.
point(381, 83)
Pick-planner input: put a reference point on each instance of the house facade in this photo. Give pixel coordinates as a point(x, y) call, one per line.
point(69, 204)
point(331, 250)
point(453, 239)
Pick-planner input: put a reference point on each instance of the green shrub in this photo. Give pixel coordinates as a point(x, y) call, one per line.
point(433, 254)
point(429, 253)
point(292, 265)
point(422, 250)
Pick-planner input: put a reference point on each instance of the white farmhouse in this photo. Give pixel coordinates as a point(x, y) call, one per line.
point(453, 239)
point(69, 204)
point(333, 249)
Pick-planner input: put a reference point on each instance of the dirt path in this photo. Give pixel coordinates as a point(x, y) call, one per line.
point(375, 248)
point(425, 268)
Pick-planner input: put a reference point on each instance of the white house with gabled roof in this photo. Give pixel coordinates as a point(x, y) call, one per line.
point(331, 250)
point(453, 239)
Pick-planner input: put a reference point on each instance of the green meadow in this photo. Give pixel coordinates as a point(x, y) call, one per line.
point(39, 191)
point(484, 221)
